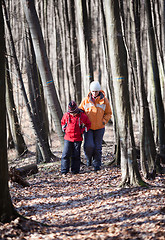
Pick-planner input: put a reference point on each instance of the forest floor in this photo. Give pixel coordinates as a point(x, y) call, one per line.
point(85, 206)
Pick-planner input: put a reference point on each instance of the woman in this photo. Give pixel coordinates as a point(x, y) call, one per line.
point(97, 108)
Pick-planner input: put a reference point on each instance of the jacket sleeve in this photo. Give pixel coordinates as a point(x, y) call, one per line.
point(107, 113)
point(64, 122)
point(81, 106)
point(86, 123)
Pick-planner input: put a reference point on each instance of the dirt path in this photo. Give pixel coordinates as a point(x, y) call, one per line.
point(87, 206)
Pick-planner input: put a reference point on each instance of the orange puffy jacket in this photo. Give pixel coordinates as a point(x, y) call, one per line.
point(99, 112)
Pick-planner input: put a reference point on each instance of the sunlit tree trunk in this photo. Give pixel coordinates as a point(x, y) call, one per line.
point(37, 102)
point(86, 13)
point(17, 136)
point(158, 22)
point(59, 54)
point(7, 210)
point(111, 89)
point(36, 127)
point(43, 64)
point(118, 60)
point(10, 142)
point(82, 49)
point(147, 144)
point(76, 61)
point(156, 77)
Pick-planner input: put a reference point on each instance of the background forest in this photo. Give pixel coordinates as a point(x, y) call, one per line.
point(54, 49)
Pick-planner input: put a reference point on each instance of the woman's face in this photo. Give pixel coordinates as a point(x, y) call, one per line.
point(95, 93)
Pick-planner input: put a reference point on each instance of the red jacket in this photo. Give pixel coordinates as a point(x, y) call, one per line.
point(74, 126)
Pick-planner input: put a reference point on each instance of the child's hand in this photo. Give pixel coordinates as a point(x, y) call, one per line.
point(64, 127)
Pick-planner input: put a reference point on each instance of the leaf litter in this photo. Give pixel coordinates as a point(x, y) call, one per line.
point(85, 206)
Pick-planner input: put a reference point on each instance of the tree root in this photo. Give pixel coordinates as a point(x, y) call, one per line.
point(139, 183)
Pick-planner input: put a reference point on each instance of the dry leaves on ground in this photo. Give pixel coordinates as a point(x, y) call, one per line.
point(86, 206)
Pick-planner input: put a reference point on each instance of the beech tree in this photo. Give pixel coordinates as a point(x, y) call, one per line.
point(7, 210)
point(43, 146)
point(82, 48)
point(37, 101)
point(147, 144)
point(156, 78)
point(43, 64)
point(118, 62)
point(13, 122)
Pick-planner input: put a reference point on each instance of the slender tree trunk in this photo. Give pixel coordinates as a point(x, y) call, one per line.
point(82, 49)
point(7, 210)
point(36, 128)
point(37, 101)
point(158, 31)
point(59, 61)
point(117, 151)
point(10, 142)
point(76, 66)
point(118, 59)
point(43, 65)
point(87, 35)
point(158, 95)
point(17, 137)
point(147, 144)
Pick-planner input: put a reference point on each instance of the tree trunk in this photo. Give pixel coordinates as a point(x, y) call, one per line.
point(156, 77)
point(43, 64)
point(76, 60)
point(7, 210)
point(17, 137)
point(118, 60)
point(10, 142)
point(37, 103)
point(27, 170)
point(82, 49)
point(36, 128)
point(87, 36)
point(147, 144)
point(110, 87)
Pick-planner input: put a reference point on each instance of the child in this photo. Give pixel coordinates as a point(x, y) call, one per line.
point(73, 123)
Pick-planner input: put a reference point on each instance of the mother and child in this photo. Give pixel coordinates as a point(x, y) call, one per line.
point(89, 119)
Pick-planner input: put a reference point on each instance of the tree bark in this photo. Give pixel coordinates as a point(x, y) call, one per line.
point(82, 49)
point(43, 65)
point(7, 210)
point(147, 144)
point(36, 128)
point(37, 102)
point(118, 60)
point(76, 57)
point(87, 36)
point(156, 77)
point(17, 137)
point(27, 170)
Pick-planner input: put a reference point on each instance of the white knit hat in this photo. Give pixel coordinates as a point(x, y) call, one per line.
point(95, 86)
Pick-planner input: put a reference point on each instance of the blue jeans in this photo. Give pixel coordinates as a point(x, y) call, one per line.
point(93, 147)
point(71, 157)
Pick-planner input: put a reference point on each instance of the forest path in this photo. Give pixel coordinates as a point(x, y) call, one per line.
point(87, 206)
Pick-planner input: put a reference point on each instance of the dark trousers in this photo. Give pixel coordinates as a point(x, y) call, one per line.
point(93, 147)
point(71, 157)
